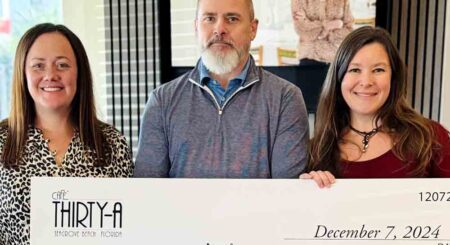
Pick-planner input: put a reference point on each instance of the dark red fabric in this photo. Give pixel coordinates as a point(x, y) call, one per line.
point(389, 166)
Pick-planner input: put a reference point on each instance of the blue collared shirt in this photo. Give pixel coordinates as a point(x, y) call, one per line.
point(220, 93)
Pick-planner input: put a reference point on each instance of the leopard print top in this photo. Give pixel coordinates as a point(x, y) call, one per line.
point(39, 161)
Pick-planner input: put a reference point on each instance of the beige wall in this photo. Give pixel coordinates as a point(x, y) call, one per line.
point(85, 19)
point(445, 103)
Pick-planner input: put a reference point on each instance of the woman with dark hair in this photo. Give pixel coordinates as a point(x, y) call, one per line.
point(52, 129)
point(364, 126)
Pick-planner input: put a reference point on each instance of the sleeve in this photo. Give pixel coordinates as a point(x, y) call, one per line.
point(152, 159)
point(337, 35)
point(441, 166)
point(289, 155)
point(121, 156)
point(3, 135)
point(348, 17)
point(300, 19)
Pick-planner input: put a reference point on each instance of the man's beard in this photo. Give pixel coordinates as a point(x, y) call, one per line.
point(220, 62)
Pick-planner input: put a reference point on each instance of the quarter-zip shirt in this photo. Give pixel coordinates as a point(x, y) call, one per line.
point(220, 94)
point(260, 131)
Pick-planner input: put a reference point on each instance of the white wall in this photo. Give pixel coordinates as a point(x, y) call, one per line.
point(445, 102)
point(86, 19)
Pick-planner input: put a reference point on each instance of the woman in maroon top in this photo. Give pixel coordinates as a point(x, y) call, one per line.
point(364, 126)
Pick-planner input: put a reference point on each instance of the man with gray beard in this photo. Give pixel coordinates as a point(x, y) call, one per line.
point(226, 118)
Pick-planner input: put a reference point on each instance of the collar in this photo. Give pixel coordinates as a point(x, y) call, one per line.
point(205, 77)
point(253, 74)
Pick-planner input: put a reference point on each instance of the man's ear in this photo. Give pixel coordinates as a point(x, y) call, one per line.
point(254, 28)
point(196, 26)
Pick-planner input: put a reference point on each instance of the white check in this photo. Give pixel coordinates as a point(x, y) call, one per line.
point(220, 211)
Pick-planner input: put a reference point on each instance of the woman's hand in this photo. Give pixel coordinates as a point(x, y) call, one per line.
point(299, 15)
point(333, 25)
point(322, 178)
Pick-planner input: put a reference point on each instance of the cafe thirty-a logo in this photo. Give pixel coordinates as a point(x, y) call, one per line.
point(91, 214)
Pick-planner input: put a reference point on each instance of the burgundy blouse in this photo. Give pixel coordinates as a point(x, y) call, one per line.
point(389, 166)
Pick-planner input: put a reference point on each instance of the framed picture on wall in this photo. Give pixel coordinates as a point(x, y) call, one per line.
point(296, 39)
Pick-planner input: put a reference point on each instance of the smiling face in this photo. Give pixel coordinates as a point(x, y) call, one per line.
point(225, 30)
point(367, 81)
point(51, 73)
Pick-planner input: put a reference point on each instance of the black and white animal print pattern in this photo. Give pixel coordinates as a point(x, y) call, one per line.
point(39, 161)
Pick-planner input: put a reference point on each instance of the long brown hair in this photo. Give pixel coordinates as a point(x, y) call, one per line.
point(413, 135)
point(22, 114)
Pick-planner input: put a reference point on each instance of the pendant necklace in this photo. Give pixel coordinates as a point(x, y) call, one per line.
point(366, 136)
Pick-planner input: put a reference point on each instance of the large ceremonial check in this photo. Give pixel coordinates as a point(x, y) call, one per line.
point(223, 211)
